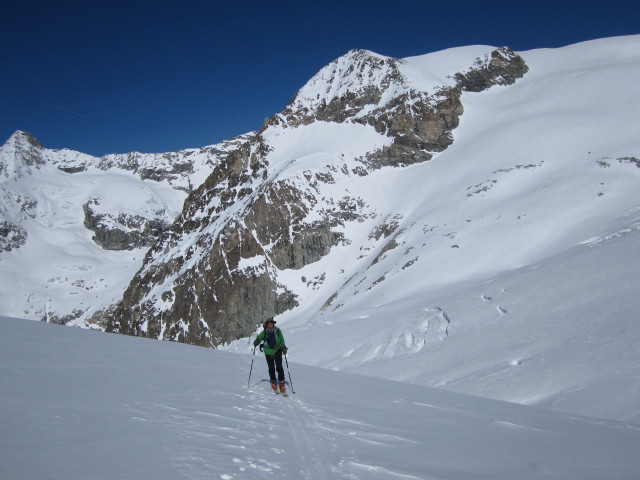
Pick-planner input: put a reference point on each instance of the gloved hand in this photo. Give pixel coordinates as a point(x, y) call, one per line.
point(284, 350)
point(256, 342)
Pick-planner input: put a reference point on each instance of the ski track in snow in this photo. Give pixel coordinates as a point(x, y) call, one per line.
point(268, 436)
point(306, 437)
point(306, 446)
point(266, 433)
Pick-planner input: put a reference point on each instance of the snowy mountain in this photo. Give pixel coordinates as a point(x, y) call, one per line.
point(74, 228)
point(74, 408)
point(301, 194)
point(466, 219)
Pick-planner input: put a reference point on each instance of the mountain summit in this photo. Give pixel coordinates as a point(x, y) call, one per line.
point(275, 205)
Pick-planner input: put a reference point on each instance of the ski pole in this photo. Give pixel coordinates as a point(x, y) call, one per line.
point(251, 369)
point(289, 373)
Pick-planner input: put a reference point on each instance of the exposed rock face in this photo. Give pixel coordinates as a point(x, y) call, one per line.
point(122, 231)
point(420, 125)
point(11, 236)
point(209, 288)
point(213, 276)
point(502, 67)
point(15, 208)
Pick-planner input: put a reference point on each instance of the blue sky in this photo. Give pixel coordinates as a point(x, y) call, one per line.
point(114, 77)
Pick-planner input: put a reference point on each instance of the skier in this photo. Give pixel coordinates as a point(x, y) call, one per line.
point(273, 348)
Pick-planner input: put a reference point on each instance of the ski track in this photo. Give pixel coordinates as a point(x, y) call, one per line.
point(284, 436)
point(305, 445)
point(312, 445)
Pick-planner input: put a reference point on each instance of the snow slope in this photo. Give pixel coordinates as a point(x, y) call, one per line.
point(513, 266)
point(562, 333)
point(80, 404)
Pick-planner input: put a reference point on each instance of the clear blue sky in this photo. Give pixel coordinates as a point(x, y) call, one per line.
point(155, 76)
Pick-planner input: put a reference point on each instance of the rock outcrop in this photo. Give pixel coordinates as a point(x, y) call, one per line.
point(121, 230)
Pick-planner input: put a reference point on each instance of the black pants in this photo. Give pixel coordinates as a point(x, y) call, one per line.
point(275, 364)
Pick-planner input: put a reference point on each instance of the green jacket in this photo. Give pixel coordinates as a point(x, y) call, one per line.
point(262, 337)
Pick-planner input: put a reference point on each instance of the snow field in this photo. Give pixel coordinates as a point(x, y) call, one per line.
point(81, 404)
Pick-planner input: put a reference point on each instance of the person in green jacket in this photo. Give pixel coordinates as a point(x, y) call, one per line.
point(273, 347)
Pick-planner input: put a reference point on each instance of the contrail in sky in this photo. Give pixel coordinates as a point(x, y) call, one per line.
point(62, 108)
point(52, 105)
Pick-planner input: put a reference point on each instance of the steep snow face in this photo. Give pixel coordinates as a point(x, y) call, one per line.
point(314, 148)
point(357, 73)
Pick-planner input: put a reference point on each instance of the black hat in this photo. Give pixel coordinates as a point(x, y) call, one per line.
point(269, 320)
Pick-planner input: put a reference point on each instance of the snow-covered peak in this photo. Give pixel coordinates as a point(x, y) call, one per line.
point(365, 87)
point(20, 138)
point(20, 153)
point(357, 73)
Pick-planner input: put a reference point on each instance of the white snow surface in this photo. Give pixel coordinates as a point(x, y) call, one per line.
point(510, 286)
point(81, 404)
